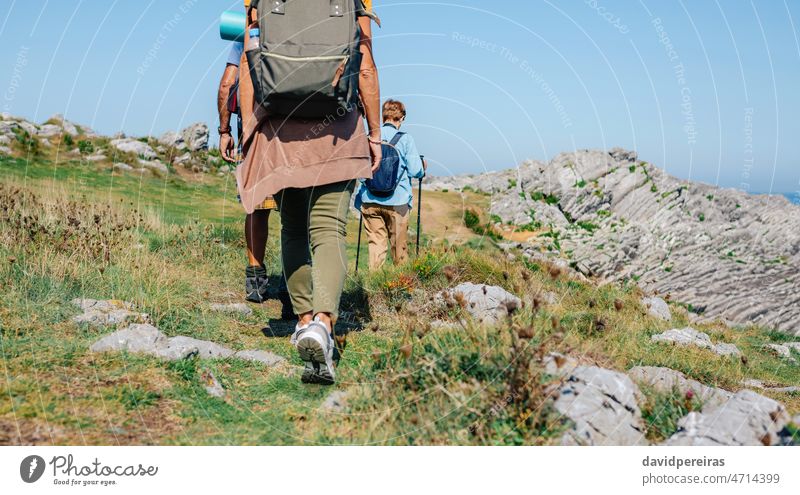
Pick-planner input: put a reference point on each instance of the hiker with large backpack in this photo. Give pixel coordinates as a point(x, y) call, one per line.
point(385, 201)
point(314, 78)
point(256, 224)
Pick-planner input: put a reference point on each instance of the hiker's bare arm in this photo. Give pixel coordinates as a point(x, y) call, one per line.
point(369, 90)
point(225, 84)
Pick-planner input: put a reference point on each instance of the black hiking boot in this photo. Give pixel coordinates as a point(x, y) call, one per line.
point(255, 284)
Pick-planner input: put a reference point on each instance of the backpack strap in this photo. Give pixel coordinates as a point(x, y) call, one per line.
point(396, 138)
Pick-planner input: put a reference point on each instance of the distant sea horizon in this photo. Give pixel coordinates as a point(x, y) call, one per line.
point(793, 197)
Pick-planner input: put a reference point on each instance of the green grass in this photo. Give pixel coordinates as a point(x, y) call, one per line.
point(72, 229)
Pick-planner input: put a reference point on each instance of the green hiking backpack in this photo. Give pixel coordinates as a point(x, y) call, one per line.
point(307, 61)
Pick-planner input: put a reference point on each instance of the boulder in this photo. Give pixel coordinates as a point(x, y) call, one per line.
point(124, 167)
point(602, 407)
point(196, 137)
point(486, 303)
point(5, 150)
point(747, 418)
point(690, 336)
point(657, 308)
point(128, 145)
point(172, 139)
point(182, 159)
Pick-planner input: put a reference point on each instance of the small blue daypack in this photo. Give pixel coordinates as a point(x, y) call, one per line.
point(384, 181)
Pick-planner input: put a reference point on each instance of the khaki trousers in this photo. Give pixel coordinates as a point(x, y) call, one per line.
point(313, 230)
point(386, 225)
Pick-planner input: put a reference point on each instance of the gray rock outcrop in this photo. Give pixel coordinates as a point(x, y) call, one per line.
point(196, 136)
point(140, 149)
point(602, 406)
point(65, 125)
point(747, 418)
point(729, 254)
point(666, 380)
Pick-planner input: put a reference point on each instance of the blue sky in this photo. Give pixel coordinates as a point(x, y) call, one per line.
point(705, 89)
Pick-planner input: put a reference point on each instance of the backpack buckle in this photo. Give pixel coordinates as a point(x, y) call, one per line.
point(337, 8)
point(279, 7)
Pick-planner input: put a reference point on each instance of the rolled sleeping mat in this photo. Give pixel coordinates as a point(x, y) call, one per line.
point(231, 25)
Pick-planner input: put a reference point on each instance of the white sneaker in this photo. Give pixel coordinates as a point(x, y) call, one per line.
point(315, 346)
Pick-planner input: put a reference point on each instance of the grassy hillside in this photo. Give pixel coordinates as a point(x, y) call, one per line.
point(173, 244)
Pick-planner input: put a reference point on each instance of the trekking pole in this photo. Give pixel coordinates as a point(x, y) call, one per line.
point(419, 202)
point(358, 248)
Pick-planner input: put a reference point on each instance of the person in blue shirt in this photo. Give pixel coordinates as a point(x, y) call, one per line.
point(386, 218)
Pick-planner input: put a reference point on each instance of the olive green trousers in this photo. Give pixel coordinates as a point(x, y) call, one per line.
point(313, 232)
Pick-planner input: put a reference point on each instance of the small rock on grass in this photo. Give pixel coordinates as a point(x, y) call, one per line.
point(486, 303)
point(235, 308)
point(108, 312)
point(264, 357)
point(336, 401)
point(212, 385)
point(753, 383)
point(690, 336)
point(657, 308)
point(205, 348)
point(135, 338)
point(784, 350)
